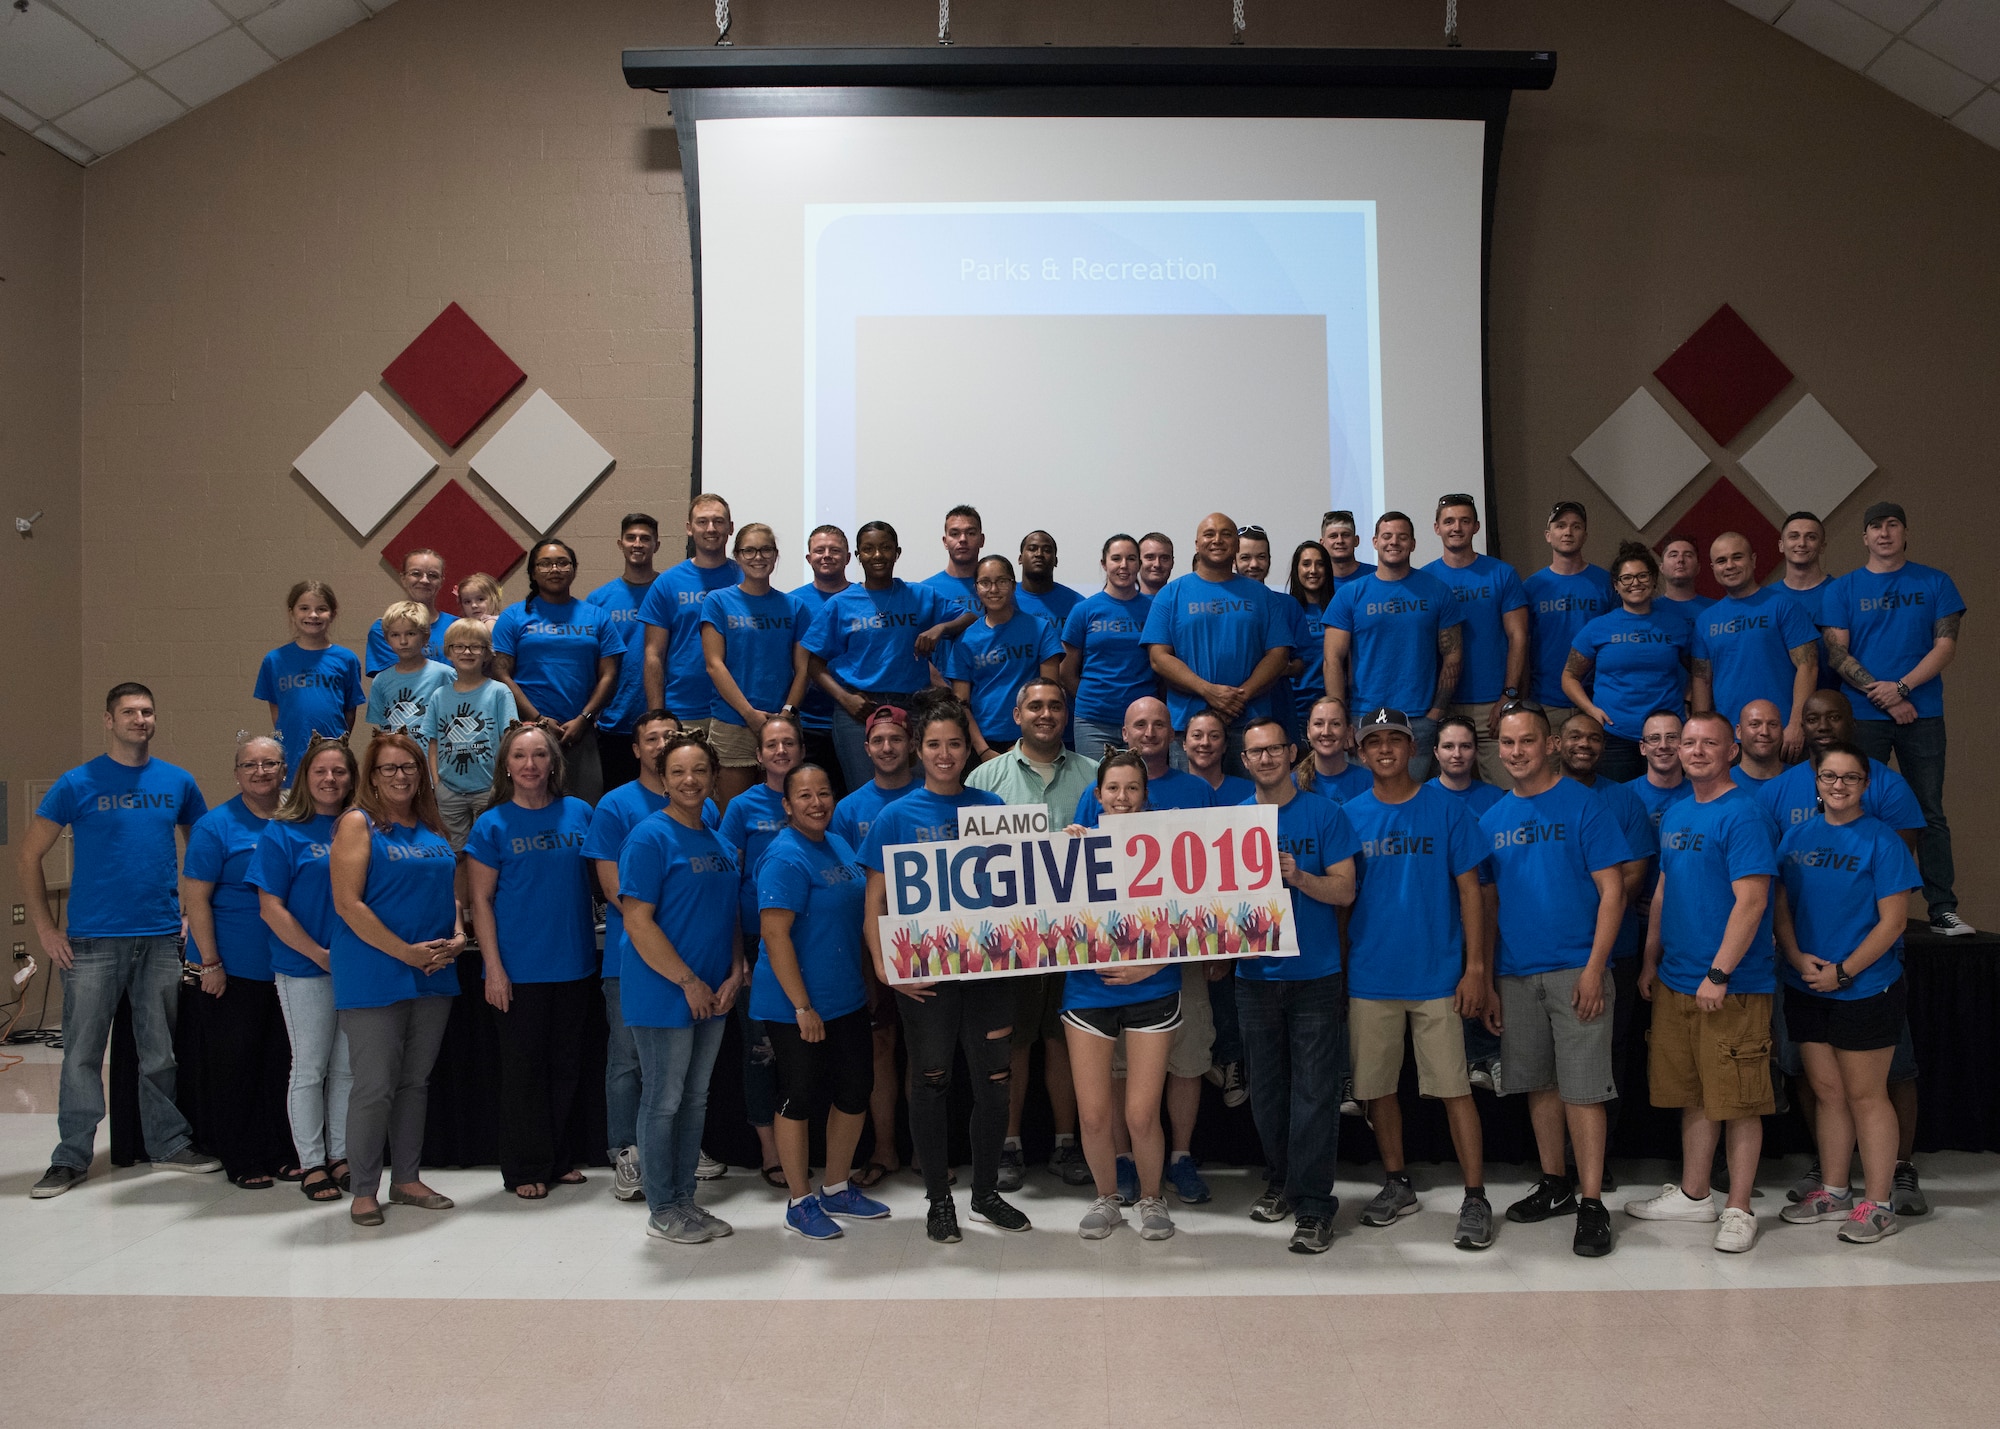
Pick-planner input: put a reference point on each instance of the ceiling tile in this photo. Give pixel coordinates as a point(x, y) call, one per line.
point(1965, 33)
point(17, 116)
point(1923, 79)
point(1891, 15)
point(213, 66)
point(294, 25)
point(244, 9)
point(1981, 118)
point(1835, 32)
point(150, 31)
point(1639, 457)
point(129, 112)
point(1765, 10)
point(63, 144)
point(50, 65)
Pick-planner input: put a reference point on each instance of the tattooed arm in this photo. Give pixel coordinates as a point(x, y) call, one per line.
point(1451, 659)
point(1701, 689)
point(1805, 676)
point(1575, 672)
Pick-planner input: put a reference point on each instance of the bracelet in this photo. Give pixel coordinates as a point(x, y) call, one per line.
point(208, 967)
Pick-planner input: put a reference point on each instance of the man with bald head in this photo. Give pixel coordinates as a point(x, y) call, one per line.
point(1150, 735)
point(1216, 639)
point(1757, 644)
point(1760, 734)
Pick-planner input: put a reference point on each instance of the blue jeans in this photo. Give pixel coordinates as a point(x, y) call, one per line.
point(850, 736)
point(148, 971)
point(676, 1063)
point(1092, 737)
point(1919, 750)
point(1423, 763)
point(621, 1076)
point(321, 1077)
point(1295, 1054)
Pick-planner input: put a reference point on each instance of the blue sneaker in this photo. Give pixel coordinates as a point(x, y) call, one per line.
point(1186, 1181)
point(811, 1221)
point(1128, 1181)
point(852, 1202)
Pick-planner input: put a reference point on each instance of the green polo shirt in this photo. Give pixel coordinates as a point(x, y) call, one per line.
point(1017, 781)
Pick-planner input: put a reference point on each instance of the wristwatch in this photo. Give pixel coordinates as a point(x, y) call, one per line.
point(1718, 977)
point(1841, 979)
point(1902, 689)
point(1512, 692)
point(802, 1011)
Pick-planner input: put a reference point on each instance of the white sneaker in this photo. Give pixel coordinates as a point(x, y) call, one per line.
point(707, 1168)
point(627, 1182)
point(1104, 1216)
point(1672, 1204)
point(1950, 925)
point(1154, 1222)
point(1738, 1231)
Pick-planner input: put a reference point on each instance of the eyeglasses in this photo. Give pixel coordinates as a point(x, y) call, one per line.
point(1251, 533)
point(1634, 578)
point(397, 771)
point(1659, 739)
point(1267, 751)
point(560, 563)
point(1345, 518)
point(261, 766)
point(1843, 781)
point(463, 647)
point(762, 553)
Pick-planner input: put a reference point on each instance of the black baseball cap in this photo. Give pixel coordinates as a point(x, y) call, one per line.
point(1383, 719)
point(1881, 511)
point(1568, 508)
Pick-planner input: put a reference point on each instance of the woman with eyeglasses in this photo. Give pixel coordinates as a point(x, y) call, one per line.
point(990, 660)
point(1105, 667)
point(393, 956)
point(1630, 662)
point(295, 896)
point(559, 656)
point(750, 640)
point(1844, 879)
point(245, 1054)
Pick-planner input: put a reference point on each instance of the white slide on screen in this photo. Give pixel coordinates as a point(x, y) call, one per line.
point(1088, 325)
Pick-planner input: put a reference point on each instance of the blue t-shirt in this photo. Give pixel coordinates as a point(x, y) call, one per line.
point(611, 823)
point(959, 595)
point(919, 817)
point(1793, 797)
point(758, 633)
point(1175, 789)
point(380, 655)
point(1692, 607)
point(816, 709)
point(1309, 685)
point(409, 888)
point(401, 702)
point(1233, 790)
point(1394, 656)
point(1220, 630)
point(125, 881)
point(868, 638)
point(1350, 783)
point(1834, 875)
point(823, 886)
point(855, 815)
point(1405, 938)
point(1114, 666)
point(541, 903)
point(291, 866)
point(994, 661)
point(1053, 605)
point(463, 729)
point(1641, 666)
point(620, 600)
point(1317, 834)
point(1089, 989)
point(220, 848)
point(315, 692)
point(674, 602)
point(556, 648)
point(1657, 800)
point(1889, 620)
point(1477, 796)
point(1558, 608)
point(1811, 601)
point(1543, 851)
point(1743, 779)
point(1703, 848)
point(1748, 645)
point(1636, 822)
point(690, 879)
point(752, 819)
point(1487, 590)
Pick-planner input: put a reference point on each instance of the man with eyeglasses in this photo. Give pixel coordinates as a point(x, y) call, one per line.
point(1341, 537)
point(1563, 597)
point(1293, 1010)
point(123, 809)
point(676, 671)
point(1395, 639)
point(422, 577)
point(620, 598)
point(1757, 643)
point(1496, 628)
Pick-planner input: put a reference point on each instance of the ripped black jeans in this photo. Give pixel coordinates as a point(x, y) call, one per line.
point(978, 1016)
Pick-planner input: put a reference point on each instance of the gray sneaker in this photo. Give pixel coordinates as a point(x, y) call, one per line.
point(1271, 1207)
point(1819, 1204)
point(1104, 1216)
point(707, 1168)
point(715, 1225)
point(677, 1225)
point(1475, 1224)
point(1806, 1184)
point(55, 1181)
point(1013, 1167)
point(1067, 1161)
point(1906, 1194)
point(1869, 1222)
point(1394, 1200)
point(1154, 1222)
point(187, 1159)
point(628, 1183)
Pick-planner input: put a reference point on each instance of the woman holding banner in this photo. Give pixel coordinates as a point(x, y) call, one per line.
point(941, 1016)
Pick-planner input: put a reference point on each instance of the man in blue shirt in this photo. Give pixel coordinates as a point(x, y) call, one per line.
point(1711, 972)
point(964, 539)
point(1760, 739)
point(1495, 631)
point(827, 554)
point(1757, 644)
point(123, 939)
point(676, 673)
point(1563, 597)
point(1341, 537)
point(620, 598)
point(1891, 628)
point(1680, 568)
point(1039, 592)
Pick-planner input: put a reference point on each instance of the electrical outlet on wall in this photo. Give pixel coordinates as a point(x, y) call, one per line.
point(20, 952)
point(20, 914)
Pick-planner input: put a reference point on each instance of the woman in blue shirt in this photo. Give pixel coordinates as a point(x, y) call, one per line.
point(1105, 667)
point(245, 1056)
point(560, 657)
point(531, 910)
point(1844, 879)
point(311, 685)
point(750, 637)
point(295, 898)
point(1311, 585)
point(394, 959)
point(992, 657)
point(1630, 662)
point(682, 971)
point(809, 994)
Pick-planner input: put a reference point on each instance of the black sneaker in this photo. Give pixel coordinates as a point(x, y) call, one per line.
point(1313, 1235)
point(55, 1181)
point(994, 1211)
point(1271, 1207)
point(941, 1225)
point(1949, 925)
point(1907, 1196)
point(1593, 1229)
point(1013, 1168)
point(1553, 1196)
point(1067, 1162)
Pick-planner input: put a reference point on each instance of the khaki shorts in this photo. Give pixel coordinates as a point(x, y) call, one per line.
point(731, 742)
point(1194, 1039)
point(458, 811)
point(1719, 1061)
point(1375, 1043)
point(1037, 1008)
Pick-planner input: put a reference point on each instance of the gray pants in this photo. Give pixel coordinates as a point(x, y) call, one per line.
point(390, 1050)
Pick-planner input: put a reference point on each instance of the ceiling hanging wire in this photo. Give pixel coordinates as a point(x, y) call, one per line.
point(722, 23)
point(1451, 23)
point(944, 22)
point(1237, 24)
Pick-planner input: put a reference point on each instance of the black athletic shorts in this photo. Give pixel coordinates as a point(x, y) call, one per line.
point(1861, 1024)
point(840, 1068)
point(1157, 1014)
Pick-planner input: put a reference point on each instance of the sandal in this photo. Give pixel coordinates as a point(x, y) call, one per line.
point(527, 1191)
point(774, 1177)
point(341, 1177)
point(870, 1174)
point(293, 1174)
point(258, 1181)
point(323, 1189)
point(572, 1178)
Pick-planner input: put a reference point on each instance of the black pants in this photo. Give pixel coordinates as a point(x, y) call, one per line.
point(246, 1070)
point(1622, 761)
point(1624, 1019)
point(837, 1071)
point(959, 1014)
point(541, 1078)
point(819, 750)
point(616, 759)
